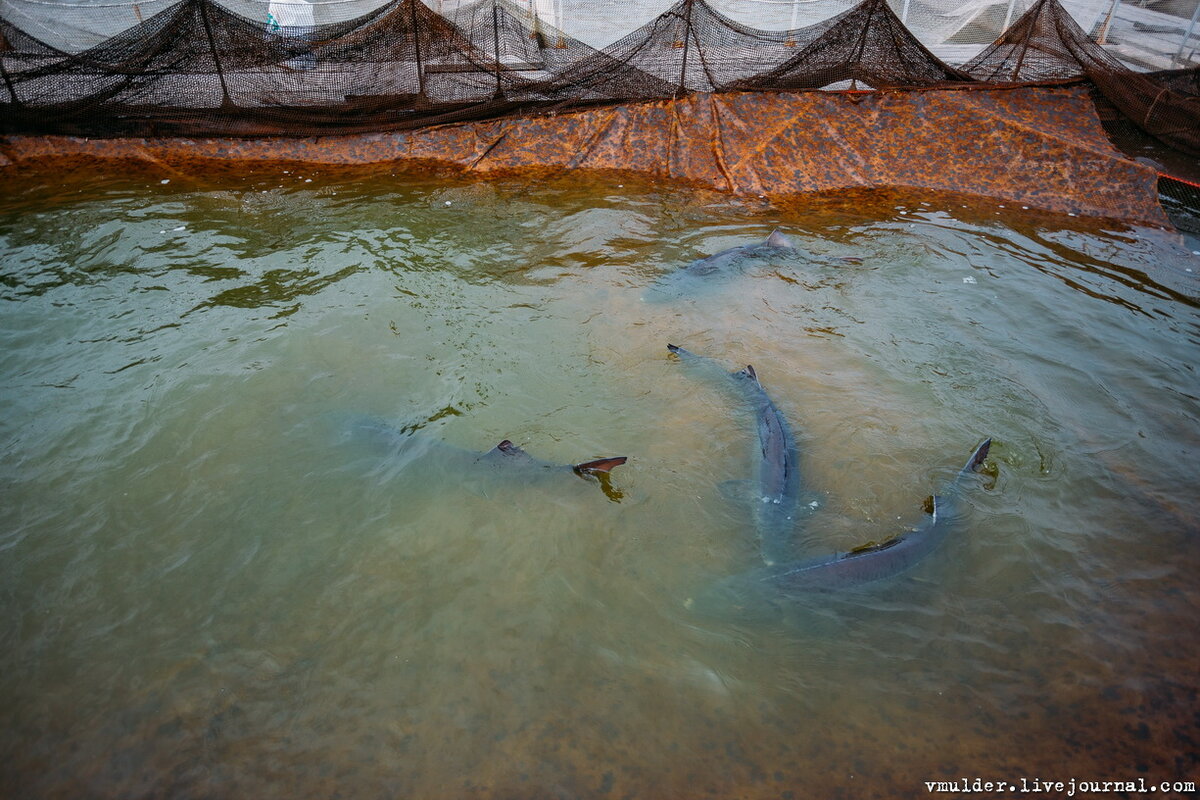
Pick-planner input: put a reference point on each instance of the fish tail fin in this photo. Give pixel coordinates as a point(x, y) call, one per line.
point(977, 458)
point(599, 465)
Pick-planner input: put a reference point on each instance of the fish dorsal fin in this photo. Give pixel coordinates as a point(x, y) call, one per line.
point(777, 239)
point(747, 372)
point(874, 547)
point(505, 455)
point(599, 465)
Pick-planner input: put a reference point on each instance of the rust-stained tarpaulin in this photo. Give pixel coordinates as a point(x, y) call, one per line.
point(1041, 147)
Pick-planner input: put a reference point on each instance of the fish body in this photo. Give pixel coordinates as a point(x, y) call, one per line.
point(878, 561)
point(838, 571)
point(775, 499)
point(404, 450)
point(710, 269)
point(729, 258)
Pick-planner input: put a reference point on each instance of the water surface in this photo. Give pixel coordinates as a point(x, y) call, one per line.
point(208, 591)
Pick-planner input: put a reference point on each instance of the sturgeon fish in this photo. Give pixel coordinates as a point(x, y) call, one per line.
point(776, 495)
point(857, 567)
point(705, 270)
point(404, 450)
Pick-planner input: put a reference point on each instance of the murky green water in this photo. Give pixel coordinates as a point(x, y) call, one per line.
point(209, 591)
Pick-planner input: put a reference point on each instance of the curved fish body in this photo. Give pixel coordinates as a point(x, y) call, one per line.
point(707, 270)
point(776, 494)
point(845, 570)
point(403, 449)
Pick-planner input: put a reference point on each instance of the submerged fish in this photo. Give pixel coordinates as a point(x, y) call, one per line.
point(766, 585)
point(775, 494)
point(706, 270)
point(405, 450)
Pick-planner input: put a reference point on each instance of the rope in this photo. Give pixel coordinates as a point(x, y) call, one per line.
point(1179, 180)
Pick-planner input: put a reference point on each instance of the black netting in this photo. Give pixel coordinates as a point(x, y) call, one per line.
point(868, 43)
point(690, 47)
point(21, 54)
point(1184, 81)
point(1046, 44)
point(1181, 200)
point(198, 69)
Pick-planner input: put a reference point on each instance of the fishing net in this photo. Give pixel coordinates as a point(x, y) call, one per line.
point(1046, 44)
point(867, 44)
point(198, 68)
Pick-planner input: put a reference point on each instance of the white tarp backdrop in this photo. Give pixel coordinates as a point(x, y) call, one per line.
point(290, 14)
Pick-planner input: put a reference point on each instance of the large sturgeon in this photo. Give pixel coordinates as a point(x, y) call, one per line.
point(845, 570)
point(405, 450)
point(704, 270)
point(776, 495)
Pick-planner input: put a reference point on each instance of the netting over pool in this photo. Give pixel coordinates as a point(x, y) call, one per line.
point(197, 68)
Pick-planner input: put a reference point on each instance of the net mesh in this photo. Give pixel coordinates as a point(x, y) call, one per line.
point(202, 68)
point(868, 43)
point(1046, 44)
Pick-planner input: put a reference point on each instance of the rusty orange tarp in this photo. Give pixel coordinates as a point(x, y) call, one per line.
point(1041, 147)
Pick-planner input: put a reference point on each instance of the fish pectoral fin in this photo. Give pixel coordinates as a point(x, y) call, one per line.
point(599, 465)
point(874, 547)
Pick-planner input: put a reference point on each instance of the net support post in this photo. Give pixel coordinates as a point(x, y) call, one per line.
point(1179, 59)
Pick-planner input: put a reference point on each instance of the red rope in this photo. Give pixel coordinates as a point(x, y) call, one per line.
point(1179, 180)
